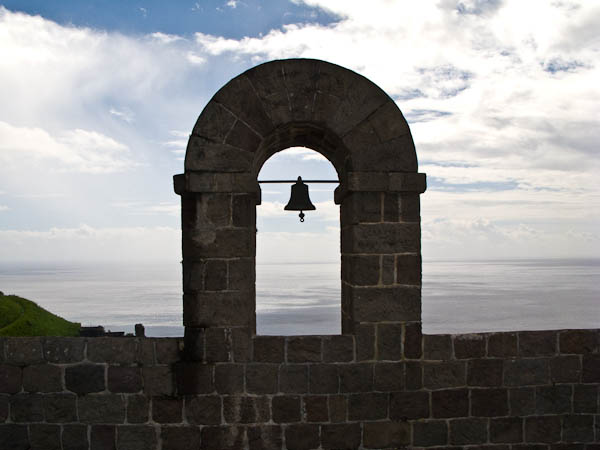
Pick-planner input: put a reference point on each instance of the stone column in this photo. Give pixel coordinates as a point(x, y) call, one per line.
point(381, 260)
point(218, 245)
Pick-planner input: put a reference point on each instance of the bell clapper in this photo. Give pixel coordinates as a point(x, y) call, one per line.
point(301, 215)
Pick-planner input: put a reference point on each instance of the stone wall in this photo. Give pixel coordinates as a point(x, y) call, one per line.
point(521, 390)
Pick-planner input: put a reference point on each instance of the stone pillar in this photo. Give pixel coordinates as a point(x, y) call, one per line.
point(218, 245)
point(381, 262)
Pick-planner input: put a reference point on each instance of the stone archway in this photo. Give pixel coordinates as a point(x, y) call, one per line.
point(361, 131)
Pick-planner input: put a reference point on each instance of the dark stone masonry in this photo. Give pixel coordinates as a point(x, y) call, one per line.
point(381, 384)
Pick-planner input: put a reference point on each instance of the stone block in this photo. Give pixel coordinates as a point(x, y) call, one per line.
point(214, 122)
point(578, 428)
point(381, 238)
point(338, 408)
point(85, 378)
point(218, 243)
point(542, 429)
point(484, 372)
point(315, 408)
point(167, 409)
point(101, 408)
point(407, 181)
point(262, 378)
point(340, 436)
point(338, 348)
point(437, 347)
point(506, 430)
point(437, 375)
point(103, 437)
point(218, 309)
point(386, 434)
point(410, 205)
point(194, 344)
point(390, 303)
point(578, 341)
point(179, 437)
point(204, 155)
point(207, 183)
point(302, 349)
point(74, 437)
point(286, 408)
point(242, 409)
point(522, 401)
point(413, 340)
point(3, 408)
point(204, 409)
point(192, 378)
point(397, 154)
point(409, 405)
point(229, 378)
point(218, 345)
point(585, 399)
point(269, 349)
point(489, 402)
point(365, 342)
point(42, 378)
point(430, 433)
point(363, 182)
point(10, 379)
point(389, 341)
point(450, 403)
point(590, 372)
point(565, 369)
point(356, 377)
point(63, 349)
point(391, 207)
point(468, 431)
point(388, 376)
point(215, 275)
point(26, 408)
point(115, 350)
point(243, 210)
point(523, 372)
point(265, 437)
point(241, 273)
point(222, 438)
point(138, 407)
point(137, 437)
point(14, 437)
point(124, 379)
point(243, 137)
point(502, 345)
point(43, 436)
point(553, 399)
point(146, 353)
point(367, 406)
point(413, 375)
point(60, 408)
point(293, 378)
point(158, 380)
point(468, 346)
point(537, 343)
point(24, 351)
point(323, 379)
point(302, 437)
point(361, 270)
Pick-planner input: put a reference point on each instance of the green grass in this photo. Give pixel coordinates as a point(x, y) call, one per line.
point(22, 317)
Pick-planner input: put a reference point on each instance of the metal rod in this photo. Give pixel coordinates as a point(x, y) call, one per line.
point(294, 181)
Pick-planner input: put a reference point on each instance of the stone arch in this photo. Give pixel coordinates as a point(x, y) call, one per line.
point(361, 131)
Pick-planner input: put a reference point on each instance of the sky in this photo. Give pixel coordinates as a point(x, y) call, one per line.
point(97, 100)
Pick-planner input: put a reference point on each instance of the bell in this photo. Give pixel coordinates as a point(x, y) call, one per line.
point(299, 200)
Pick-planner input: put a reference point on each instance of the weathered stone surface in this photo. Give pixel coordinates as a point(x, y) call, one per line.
point(409, 405)
point(303, 349)
point(590, 372)
point(103, 437)
point(523, 372)
point(42, 378)
point(444, 374)
point(264, 437)
point(24, 350)
point(381, 238)
point(261, 379)
point(340, 436)
point(3, 408)
point(522, 401)
point(26, 408)
point(10, 379)
point(180, 437)
point(138, 407)
point(240, 409)
point(542, 429)
point(302, 437)
point(14, 437)
point(468, 431)
point(208, 156)
point(578, 341)
point(315, 408)
point(63, 349)
point(101, 408)
point(124, 379)
point(42, 436)
point(114, 350)
point(393, 303)
point(361, 270)
point(502, 344)
point(553, 399)
point(386, 434)
point(338, 349)
point(578, 428)
point(229, 378)
point(413, 375)
point(484, 372)
point(60, 408)
point(269, 349)
point(203, 409)
point(565, 369)
point(323, 379)
point(218, 345)
point(367, 406)
point(489, 402)
point(437, 346)
point(585, 399)
point(365, 342)
point(74, 437)
point(338, 408)
point(537, 343)
point(192, 378)
point(286, 408)
point(167, 409)
point(85, 378)
point(293, 378)
point(450, 403)
point(429, 433)
point(506, 430)
point(468, 346)
point(218, 309)
point(136, 437)
point(413, 341)
point(389, 341)
point(223, 438)
point(355, 377)
point(388, 376)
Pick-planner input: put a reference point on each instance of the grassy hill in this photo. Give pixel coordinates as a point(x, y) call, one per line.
point(22, 317)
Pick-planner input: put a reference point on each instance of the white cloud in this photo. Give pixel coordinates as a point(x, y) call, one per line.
point(71, 150)
point(125, 114)
point(86, 243)
point(4, 208)
point(139, 208)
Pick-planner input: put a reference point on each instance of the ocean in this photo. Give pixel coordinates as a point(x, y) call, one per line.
point(301, 298)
